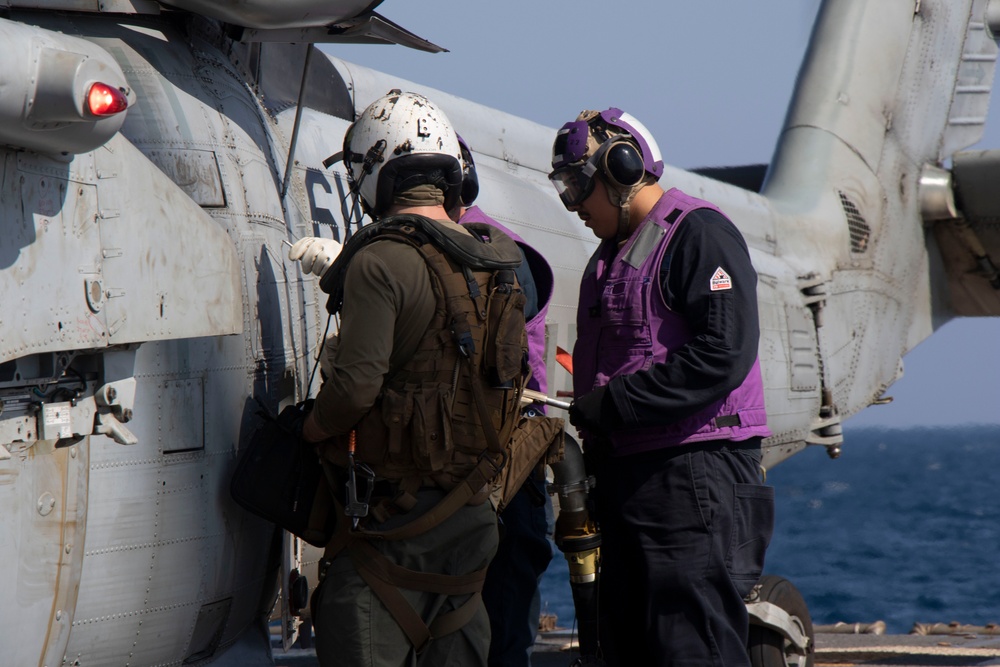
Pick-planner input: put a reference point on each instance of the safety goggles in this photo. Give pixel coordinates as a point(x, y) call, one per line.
point(575, 181)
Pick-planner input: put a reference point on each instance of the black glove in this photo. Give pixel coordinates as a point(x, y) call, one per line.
point(595, 413)
point(293, 417)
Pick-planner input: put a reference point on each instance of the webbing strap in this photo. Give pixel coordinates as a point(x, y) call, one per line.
point(385, 578)
point(403, 501)
point(341, 532)
point(453, 621)
point(408, 620)
point(482, 474)
point(373, 561)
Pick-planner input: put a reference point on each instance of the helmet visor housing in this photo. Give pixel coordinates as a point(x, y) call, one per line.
point(611, 143)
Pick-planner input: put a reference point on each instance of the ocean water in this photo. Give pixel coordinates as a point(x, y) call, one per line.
point(904, 528)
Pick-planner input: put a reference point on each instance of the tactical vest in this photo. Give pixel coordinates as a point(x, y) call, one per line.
point(458, 395)
point(624, 326)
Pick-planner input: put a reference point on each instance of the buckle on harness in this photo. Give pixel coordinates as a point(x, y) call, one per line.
point(462, 334)
point(496, 468)
point(355, 508)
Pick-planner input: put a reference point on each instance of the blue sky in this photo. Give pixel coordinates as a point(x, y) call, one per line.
point(711, 81)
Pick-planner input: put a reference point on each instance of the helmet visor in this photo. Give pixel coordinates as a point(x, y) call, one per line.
point(574, 183)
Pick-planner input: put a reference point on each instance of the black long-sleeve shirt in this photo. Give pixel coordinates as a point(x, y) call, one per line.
point(724, 324)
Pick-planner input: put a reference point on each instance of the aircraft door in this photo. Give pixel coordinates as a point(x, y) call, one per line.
point(43, 493)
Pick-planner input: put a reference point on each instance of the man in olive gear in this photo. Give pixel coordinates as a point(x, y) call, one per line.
point(421, 395)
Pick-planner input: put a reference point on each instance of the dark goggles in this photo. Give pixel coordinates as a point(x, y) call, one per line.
point(616, 159)
point(574, 183)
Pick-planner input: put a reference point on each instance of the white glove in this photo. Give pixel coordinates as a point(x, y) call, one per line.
point(316, 254)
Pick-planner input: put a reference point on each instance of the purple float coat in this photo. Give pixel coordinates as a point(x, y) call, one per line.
point(541, 272)
point(635, 329)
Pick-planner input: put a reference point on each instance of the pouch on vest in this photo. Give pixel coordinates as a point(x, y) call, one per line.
point(537, 439)
point(504, 357)
point(418, 431)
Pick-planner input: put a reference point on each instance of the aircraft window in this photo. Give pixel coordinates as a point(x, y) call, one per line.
point(280, 75)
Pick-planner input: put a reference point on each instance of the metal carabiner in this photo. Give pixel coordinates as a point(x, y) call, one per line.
point(355, 508)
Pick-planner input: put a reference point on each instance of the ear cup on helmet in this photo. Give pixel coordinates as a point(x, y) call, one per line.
point(470, 180)
point(470, 188)
point(623, 163)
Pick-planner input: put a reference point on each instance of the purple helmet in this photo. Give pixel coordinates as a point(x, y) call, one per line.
point(610, 142)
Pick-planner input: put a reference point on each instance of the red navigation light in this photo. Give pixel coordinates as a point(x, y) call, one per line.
point(105, 100)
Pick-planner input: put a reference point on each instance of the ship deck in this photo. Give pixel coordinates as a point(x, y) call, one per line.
point(958, 646)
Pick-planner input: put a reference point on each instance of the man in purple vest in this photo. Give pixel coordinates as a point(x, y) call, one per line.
point(511, 591)
point(668, 400)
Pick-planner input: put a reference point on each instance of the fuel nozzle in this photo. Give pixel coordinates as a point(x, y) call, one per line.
point(578, 537)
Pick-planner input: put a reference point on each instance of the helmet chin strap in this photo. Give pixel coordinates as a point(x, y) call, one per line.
point(622, 199)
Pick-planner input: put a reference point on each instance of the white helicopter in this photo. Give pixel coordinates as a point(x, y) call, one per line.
point(156, 159)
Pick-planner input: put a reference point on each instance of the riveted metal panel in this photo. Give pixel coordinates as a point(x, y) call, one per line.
point(182, 415)
point(803, 364)
point(178, 278)
point(50, 246)
point(196, 172)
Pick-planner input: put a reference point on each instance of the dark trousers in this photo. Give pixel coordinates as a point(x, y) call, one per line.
point(511, 590)
point(684, 531)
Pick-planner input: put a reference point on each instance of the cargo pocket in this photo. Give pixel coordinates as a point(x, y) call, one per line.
point(430, 428)
point(397, 412)
point(753, 523)
point(721, 307)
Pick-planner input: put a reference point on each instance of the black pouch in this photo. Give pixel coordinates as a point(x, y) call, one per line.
point(279, 477)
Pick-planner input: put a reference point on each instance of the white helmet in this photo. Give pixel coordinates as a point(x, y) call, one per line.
point(402, 133)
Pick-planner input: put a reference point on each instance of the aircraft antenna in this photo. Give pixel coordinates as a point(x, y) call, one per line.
point(326, 330)
point(298, 119)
